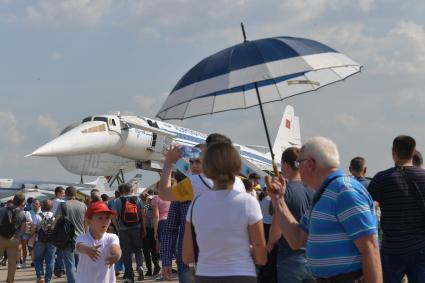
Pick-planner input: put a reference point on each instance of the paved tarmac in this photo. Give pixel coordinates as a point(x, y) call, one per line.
point(27, 275)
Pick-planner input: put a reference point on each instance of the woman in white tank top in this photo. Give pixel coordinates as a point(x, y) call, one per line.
point(228, 224)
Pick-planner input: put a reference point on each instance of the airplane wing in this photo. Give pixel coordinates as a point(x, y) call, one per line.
point(260, 148)
point(6, 195)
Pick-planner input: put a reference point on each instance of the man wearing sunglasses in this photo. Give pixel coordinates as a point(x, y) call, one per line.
point(187, 189)
point(340, 229)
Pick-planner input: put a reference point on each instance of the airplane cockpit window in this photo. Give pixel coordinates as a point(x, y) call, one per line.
point(104, 119)
point(87, 119)
point(96, 129)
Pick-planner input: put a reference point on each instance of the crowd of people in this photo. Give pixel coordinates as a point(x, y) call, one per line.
point(313, 222)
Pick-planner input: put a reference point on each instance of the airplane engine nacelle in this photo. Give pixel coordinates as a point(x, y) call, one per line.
point(96, 164)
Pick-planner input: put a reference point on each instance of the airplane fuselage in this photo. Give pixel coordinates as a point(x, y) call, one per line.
point(106, 144)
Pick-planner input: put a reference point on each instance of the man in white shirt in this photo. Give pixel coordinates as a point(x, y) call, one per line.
point(59, 197)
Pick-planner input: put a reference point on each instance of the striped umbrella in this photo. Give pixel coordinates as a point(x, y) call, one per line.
point(254, 73)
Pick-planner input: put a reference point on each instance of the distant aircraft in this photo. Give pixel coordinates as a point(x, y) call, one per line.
point(111, 145)
point(45, 189)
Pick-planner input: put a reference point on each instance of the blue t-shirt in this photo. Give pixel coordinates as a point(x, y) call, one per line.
point(365, 182)
point(343, 214)
point(117, 206)
point(298, 199)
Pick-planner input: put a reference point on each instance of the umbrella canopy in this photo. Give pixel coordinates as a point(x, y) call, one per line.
point(230, 79)
point(281, 67)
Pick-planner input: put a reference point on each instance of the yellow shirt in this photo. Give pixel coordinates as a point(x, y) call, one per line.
point(183, 190)
point(195, 184)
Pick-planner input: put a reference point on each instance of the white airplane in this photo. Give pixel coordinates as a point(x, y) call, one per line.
point(111, 145)
point(45, 189)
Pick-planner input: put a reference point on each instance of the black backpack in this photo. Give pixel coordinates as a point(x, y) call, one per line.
point(45, 231)
point(64, 231)
point(8, 226)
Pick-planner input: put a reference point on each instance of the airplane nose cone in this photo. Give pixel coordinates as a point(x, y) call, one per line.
point(88, 138)
point(58, 146)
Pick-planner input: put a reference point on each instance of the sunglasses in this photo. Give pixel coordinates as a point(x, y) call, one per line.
point(192, 161)
point(297, 163)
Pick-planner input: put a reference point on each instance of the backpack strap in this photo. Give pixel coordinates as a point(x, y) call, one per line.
point(205, 183)
point(413, 188)
point(320, 192)
point(63, 209)
point(192, 228)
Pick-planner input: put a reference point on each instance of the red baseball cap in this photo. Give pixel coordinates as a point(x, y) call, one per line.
point(98, 207)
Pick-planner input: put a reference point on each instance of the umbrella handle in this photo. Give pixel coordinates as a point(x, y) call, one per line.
point(275, 168)
point(267, 178)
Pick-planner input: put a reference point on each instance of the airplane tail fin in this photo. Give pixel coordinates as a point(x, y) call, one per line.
point(288, 134)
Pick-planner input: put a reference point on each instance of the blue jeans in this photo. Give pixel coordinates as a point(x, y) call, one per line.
point(395, 267)
point(292, 267)
point(59, 260)
point(46, 252)
point(130, 243)
point(185, 274)
point(119, 266)
point(69, 261)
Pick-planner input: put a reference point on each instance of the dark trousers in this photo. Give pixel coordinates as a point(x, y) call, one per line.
point(130, 243)
point(395, 267)
point(268, 273)
point(149, 250)
point(225, 279)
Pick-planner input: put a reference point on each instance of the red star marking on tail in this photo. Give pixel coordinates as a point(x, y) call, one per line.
point(287, 124)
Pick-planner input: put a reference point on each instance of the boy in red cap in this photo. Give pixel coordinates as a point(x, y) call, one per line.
point(98, 249)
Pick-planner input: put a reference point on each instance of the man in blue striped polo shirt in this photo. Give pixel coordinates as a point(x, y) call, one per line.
point(340, 230)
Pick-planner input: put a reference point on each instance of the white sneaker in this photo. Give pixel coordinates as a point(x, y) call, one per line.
point(18, 266)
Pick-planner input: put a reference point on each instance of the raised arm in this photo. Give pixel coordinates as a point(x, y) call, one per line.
point(293, 234)
point(164, 187)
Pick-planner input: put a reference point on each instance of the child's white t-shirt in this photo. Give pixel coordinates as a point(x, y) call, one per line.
point(89, 271)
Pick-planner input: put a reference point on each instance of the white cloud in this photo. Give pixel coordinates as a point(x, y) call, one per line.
point(47, 123)
point(84, 12)
point(146, 105)
point(366, 5)
point(414, 33)
point(410, 97)
point(401, 50)
point(55, 55)
point(9, 131)
point(306, 10)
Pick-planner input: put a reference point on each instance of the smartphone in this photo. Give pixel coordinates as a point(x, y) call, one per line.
point(189, 152)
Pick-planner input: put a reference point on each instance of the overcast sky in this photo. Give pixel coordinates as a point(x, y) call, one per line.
point(62, 60)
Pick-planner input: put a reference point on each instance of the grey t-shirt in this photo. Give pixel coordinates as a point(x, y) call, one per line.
point(75, 211)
